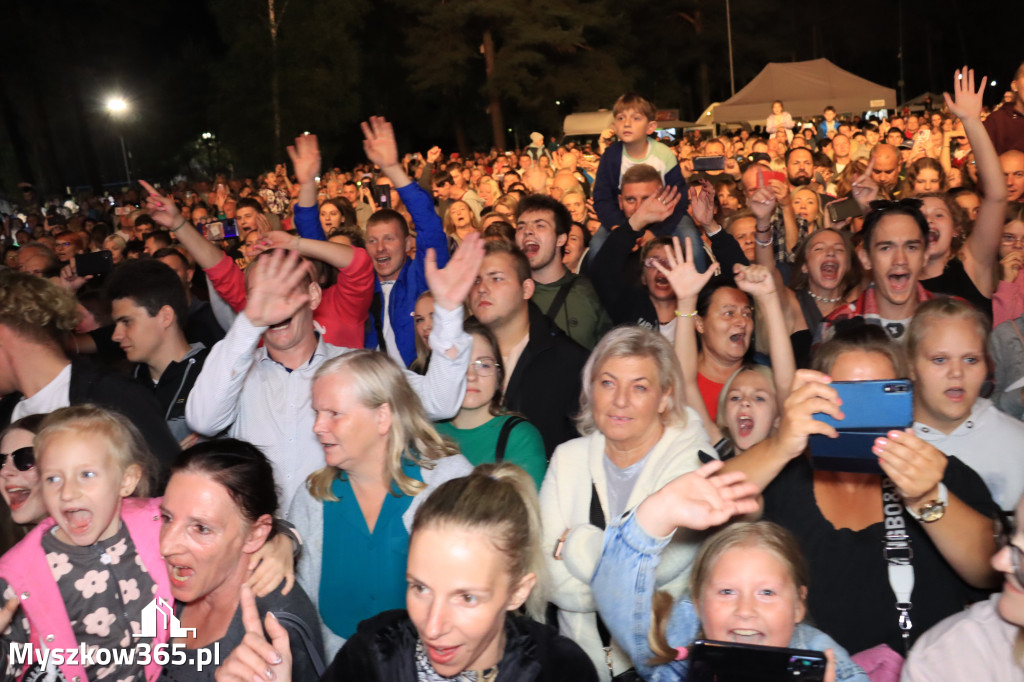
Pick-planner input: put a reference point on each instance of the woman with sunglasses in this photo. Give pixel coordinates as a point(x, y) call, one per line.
point(483, 429)
point(985, 642)
point(19, 479)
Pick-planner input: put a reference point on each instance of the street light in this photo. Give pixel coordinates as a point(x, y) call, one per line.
point(117, 106)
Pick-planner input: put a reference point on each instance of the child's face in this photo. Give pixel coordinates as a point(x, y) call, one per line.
point(750, 598)
point(750, 411)
point(83, 486)
point(631, 125)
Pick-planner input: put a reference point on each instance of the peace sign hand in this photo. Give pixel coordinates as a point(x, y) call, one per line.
point(256, 658)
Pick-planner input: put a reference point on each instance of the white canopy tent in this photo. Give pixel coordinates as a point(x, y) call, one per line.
point(805, 89)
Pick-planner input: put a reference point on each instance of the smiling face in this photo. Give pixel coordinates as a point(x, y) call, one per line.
point(423, 318)
point(387, 247)
point(628, 401)
point(826, 260)
point(948, 371)
point(750, 409)
point(727, 326)
point(353, 436)
point(204, 539)
point(459, 594)
point(895, 258)
point(20, 489)
point(83, 485)
point(750, 598)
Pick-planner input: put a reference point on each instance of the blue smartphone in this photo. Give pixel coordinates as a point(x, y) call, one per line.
point(871, 409)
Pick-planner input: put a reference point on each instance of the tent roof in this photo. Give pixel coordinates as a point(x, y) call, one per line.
point(805, 88)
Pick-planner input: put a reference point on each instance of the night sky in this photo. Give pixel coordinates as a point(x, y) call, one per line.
point(191, 66)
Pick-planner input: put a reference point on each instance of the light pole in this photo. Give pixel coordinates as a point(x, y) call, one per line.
point(118, 107)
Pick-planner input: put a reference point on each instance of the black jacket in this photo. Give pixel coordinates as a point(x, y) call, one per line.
point(545, 385)
point(628, 302)
point(175, 384)
point(91, 385)
point(384, 646)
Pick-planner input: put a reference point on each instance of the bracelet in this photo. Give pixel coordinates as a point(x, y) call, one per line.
point(693, 314)
point(771, 240)
point(175, 229)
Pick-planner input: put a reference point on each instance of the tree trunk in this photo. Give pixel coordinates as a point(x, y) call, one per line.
point(493, 100)
point(275, 77)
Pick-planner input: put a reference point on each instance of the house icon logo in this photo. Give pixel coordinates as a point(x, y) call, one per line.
point(158, 609)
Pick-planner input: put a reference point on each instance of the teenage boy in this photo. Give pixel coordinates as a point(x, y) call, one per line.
point(149, 309)
point(569, 300)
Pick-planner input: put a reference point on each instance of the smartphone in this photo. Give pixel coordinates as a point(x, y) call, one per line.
point(713, 661)
point(843, 209)
point(708, 163)
point(97, 263)
point(220, 229)
point(871, 409)
point(382, 195)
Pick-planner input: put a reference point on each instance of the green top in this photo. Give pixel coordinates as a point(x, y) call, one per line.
point(525, 446)
point(581, 317)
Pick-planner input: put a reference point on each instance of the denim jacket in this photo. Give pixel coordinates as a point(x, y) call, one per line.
point(623, 586)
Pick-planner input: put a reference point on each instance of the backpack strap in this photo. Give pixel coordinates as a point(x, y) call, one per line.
point(559, 300)
point(299, 626)
point(506, 429)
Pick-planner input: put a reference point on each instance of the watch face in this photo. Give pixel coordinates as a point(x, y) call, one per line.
point(933, 511)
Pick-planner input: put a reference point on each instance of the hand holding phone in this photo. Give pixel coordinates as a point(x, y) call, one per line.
point(714, 661)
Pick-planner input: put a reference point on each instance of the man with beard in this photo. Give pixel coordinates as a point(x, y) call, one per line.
point(569, 300)
point(886, 168)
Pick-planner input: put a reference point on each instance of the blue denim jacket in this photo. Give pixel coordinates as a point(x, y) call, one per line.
point(623, 586)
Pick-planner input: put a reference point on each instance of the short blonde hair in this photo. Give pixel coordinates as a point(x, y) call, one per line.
point(629, 342)
point(124, 441)
point(36, 308)
point(379, 381)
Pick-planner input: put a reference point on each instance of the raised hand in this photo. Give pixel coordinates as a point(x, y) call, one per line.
point(275, 291)
point(305, 156)
point(702, 203)
point(434, 154)
point(681, 273)
point(864, 188)
point(451, 285)
point(277, 239)
point(697, 500)
point(756, 280)
point(915, 466)
point(379, 142)
point(966, 101)
point(763, 201)
point(810, 395)
point(162, 209)
point(655, 208)
point(256, 657)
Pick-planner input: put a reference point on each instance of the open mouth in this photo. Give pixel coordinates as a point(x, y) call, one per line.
point(281, 326)
point(933, 236)
point(382, 261)
point(744, 426)
point(899, 281)
point(738, 338)
point(955, 394)
point(829, 270)
point(17, 497)
point(531, 249)
point(442, 655)
point(181, 574)
point(78, 520)
point(743, 636)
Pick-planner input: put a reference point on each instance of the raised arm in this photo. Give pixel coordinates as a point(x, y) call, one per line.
point(381, 149)
point(305, 156)
point(338, 255)
point(981, 251)
point(758, 281)
point(164, 212)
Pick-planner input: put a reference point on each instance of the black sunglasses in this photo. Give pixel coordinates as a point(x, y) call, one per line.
point(22, 458)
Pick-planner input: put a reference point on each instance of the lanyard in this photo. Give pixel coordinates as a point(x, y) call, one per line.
point(898, 555)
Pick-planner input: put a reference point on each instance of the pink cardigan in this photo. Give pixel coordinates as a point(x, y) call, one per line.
point(1008, 301)
point(27, 570)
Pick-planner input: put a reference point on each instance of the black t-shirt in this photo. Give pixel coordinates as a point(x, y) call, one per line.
point(849, 593)
point(954, 281)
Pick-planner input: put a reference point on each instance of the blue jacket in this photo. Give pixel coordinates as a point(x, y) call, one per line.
point(606, 192)
point(411, 280)
point(624, 584)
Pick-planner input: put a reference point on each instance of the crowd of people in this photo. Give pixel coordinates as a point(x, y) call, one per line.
point(534, 416)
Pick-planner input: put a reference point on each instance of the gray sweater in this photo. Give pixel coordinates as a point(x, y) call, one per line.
point(308, 516)
point(1007, 353)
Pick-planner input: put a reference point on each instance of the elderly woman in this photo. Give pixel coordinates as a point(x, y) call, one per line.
point(639, 435)
point(218, 512)
point(382, 456)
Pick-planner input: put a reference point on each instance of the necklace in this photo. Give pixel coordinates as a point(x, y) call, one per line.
point(822, 299)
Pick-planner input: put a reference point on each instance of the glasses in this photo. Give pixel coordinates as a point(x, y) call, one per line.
point(1009, 239)
point(649, 263)
point(64, 244)
point(23, 459)
point(484, 368)
point(1004, 532)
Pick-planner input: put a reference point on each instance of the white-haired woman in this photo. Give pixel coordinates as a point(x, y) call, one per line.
point(382, 456)
point(638, 436)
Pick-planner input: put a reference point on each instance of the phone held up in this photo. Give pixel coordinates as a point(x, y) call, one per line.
point(714, 661)
point(871, 409)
